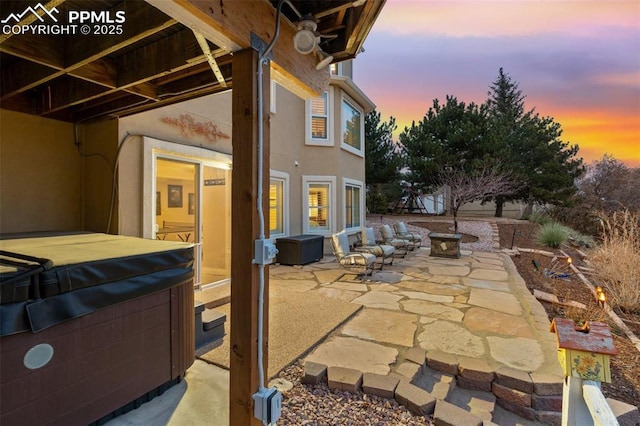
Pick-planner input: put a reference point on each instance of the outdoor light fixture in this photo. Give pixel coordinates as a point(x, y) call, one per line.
point(325, 59)
point(306, 40)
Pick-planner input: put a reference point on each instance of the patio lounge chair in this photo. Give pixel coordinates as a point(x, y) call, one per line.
point(360, 263)
point(368, 244)
point(404, 233)
point(389, 238)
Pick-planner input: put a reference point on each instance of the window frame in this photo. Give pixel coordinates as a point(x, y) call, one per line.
point(284, 178)
point(347, 182)
point(330, 181)
point(353, 104)
point(328, 141)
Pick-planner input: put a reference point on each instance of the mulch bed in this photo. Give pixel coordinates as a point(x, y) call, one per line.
point(625, 367)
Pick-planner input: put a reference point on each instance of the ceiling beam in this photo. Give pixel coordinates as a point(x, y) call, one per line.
point(229, 25)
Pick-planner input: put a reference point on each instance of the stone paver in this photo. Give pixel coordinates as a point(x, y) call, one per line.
point(378, 384)
point(519, 353)
point(314, 373)
point(397, 328)
point(496, 300)
point(433, 310)
point(348, 352)
point(447, 414)
point(482, 319)
point(458, 323)
point(379, 299)
point(452, 338)
point(344, 379)
point(426, 296)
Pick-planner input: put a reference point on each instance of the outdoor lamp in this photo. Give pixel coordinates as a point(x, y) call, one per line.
point(305, 40)
point(325, 59)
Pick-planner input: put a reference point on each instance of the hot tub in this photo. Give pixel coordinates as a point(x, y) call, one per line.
point(90, 323)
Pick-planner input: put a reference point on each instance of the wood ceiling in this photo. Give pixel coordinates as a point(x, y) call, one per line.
point(155, 61)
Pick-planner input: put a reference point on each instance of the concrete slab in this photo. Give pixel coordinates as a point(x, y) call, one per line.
point(452, 338)
point(481, 319)
point(379, 299)
point(353, 353)
point(204, 394)
point(396, 328)
point(433, 310)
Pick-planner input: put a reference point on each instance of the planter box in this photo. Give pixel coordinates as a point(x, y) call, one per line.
point(445, 245)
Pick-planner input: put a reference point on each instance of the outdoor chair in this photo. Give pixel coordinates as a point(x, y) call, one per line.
point(358, 262)
point(389, 238)
point(368, 244)
point(404, 233)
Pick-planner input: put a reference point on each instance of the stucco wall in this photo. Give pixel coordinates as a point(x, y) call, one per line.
point(40, 175)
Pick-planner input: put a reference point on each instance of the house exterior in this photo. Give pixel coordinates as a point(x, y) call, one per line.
point(113, 131)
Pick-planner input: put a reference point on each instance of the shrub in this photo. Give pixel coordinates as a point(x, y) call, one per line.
point(541, 218)
point(617, 259)
point(553, 234)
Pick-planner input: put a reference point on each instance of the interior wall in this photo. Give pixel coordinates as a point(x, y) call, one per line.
point(40, 175)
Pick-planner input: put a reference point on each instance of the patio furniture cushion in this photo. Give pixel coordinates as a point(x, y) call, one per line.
point(389, 238)
point(403, 232)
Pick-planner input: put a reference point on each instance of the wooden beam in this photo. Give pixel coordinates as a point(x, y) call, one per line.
point(244, 380)
point(229, 25)
point(67, 91)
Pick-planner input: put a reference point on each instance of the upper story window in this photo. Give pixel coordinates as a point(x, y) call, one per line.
point(318, 128)
point(352, 126)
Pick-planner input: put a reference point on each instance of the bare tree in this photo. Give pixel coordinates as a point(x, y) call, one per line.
point(480, 184)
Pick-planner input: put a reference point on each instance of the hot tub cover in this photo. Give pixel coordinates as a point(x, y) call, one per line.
point(47, 280)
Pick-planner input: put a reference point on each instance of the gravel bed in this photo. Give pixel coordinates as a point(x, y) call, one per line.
point(319, 405)
point(478, 228)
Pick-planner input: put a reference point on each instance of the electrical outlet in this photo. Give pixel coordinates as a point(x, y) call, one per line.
point(265, 252)
point(267, 405)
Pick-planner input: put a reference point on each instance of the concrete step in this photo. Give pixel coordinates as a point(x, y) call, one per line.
point(435, 382)
point(482, 404)
point(209, 325)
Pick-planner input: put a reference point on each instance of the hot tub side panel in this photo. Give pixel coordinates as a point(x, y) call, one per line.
point(101, 361)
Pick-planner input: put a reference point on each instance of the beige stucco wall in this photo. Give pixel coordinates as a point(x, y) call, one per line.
point(183, 124)
point(40, 174)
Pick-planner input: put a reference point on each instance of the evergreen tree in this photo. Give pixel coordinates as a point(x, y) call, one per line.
point(382, 160)
point(534, 154)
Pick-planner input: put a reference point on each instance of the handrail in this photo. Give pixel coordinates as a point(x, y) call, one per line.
point(598, 406)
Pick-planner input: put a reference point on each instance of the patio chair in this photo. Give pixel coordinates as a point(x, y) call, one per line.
point(368, 244)
point(403, 232)
point(360, 263)
point(389, 238)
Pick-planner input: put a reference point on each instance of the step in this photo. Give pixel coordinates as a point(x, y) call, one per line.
point(480, 403)
point(212, 318)
point(436, 383)
point(214, 297)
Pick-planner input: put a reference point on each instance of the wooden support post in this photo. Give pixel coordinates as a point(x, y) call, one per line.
point(244, 381)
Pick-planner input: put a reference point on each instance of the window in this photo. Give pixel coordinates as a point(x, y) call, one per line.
point(278, 198)
point(352, 127)
point(319, 204)
point(353, 202)
point(319, 120)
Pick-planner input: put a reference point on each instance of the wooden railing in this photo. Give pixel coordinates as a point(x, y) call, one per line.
point(583, 404)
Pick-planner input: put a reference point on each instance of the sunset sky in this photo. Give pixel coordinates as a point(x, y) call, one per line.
point(576, 61)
